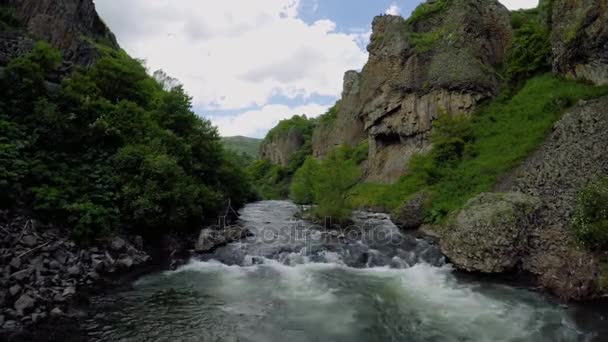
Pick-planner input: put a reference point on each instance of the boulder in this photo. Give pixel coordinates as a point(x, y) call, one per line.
point(118, 244)
point(410, 215)
point(490, 233)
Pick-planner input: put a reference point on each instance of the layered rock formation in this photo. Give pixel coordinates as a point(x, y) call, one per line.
point(580, 39)
point(443, 61)
point(279, 148)
point(569, 159)
point(69, 25)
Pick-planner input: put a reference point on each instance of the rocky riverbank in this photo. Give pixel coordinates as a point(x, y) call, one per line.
point(43, 270)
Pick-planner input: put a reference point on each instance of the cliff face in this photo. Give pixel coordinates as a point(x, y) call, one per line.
point(65, 24)
point(279, 148)
point(441, 61)
point(580, 39)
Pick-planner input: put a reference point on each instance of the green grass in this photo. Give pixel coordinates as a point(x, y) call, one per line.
point(506, 131)
point(423, 42)
point(426, 10)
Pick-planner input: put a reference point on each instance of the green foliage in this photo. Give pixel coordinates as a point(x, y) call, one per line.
point(530, 51)
point(497, 138)
point(427, 10)
point(590, 220)
point(302, 190)
point(269, 181)
point(249, 146)
point(109, 147)
point(423, 42)
point(327, 183)
point(330, 117)
point(298, 123)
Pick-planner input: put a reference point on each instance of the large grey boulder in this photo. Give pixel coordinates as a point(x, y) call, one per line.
point(490, 234)
point(410, 215)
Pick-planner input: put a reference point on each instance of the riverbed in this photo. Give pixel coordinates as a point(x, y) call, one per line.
point(294, 281)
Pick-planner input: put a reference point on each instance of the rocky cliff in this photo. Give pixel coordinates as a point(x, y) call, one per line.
point(69, 25)
point(279, 148)
point(442, 59)
point(580, 39)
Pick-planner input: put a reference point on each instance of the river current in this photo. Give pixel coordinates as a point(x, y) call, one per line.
point(293, 281)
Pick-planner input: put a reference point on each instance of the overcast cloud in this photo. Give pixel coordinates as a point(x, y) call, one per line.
point(239, 55)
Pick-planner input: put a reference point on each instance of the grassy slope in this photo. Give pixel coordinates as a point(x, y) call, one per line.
point(506, 131)
point(240, 144)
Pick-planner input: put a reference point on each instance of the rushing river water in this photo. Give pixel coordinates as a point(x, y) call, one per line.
point(292, 281)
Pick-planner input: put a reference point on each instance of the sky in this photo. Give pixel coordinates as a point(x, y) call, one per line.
point(251, 63)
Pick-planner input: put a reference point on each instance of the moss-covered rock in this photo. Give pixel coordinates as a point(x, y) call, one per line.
point(490, 234)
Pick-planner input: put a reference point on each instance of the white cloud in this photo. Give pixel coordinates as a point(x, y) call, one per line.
point(519, 4)
point(255, 123)
point(393, 10)
point(233, 54)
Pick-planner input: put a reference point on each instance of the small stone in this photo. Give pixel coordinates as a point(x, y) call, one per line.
point(55, 265)
point(139, 242)
point(70, 290)
point(60, 256)
point(56, 312)
point(23, 303)
point(29, 240)
point(117, 244)
point(14, 290)
point(125, 262)
point(15, 263)
point(74, 270)
point(10, 325)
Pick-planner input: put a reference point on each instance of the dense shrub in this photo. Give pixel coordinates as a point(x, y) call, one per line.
point(590, 221)
point(109, 147)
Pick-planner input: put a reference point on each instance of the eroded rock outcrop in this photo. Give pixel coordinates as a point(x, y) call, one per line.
point(580, 39)
point(443, 61)
point(279, 148)
point(69, 25)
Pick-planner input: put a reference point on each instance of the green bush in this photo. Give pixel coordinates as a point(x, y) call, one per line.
point(109, 148)
point(590, 220)
point(7, 18)
point(530, 51)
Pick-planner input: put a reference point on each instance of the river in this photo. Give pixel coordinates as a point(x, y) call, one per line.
point(293, 281)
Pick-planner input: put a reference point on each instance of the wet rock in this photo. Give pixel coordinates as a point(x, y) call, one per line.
point(410, 215)
point(209, 239)
point(23, 303)
point(490, 234)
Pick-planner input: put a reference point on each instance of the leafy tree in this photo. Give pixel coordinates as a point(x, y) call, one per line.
point(302, 189)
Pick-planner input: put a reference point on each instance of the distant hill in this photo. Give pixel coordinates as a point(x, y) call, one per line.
point(250, 146)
